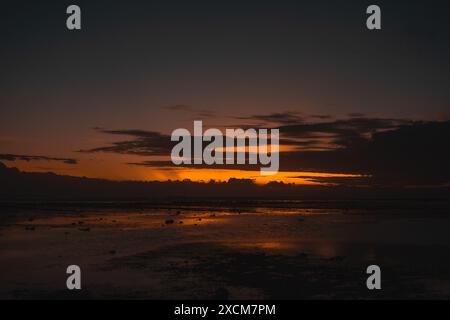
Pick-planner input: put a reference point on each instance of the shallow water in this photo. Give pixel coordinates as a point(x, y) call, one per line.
point(158, 252)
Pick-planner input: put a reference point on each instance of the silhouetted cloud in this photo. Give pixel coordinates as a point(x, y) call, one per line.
point(391, 151)
point(155, 164)
point(412, 154)
point(306, 136)
point(276, 118)
point(143, 143)
point(359, 181)
point(16, 157)
point(343, 127)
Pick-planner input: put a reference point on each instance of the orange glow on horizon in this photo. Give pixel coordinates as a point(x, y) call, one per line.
point(222, 175)
point(123, 172)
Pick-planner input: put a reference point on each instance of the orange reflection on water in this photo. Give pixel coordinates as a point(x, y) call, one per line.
point(261, 244)
point(130, 220)
point(287, 246)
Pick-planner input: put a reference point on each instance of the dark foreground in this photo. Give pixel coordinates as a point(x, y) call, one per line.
point(226, 250)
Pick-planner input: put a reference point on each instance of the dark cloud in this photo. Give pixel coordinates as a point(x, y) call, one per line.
point(155, 164)
point(358, 181)
point(340, 133)
point(276, 118)
point(412, 154)
point(143, 143)
point(391, 151)
point(343, 127)
point(334, 133)
point(17, 157)
point(307, 136)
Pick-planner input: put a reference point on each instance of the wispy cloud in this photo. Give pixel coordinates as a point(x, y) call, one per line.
point(275, 118)
point(143, 143)
point(22, 157)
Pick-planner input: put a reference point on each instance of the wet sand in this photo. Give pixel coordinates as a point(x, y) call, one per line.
point(224, 252)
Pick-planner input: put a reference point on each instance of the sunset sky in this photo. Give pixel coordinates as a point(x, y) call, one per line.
point(102, 101)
